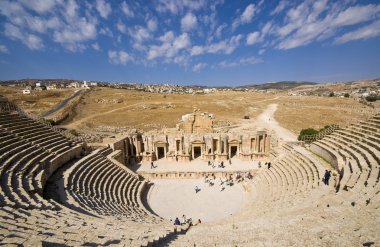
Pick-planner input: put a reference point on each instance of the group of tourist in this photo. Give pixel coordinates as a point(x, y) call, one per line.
point(229, 181)
point(326, 177)
point(221, 165)
point(178, 222)
point(267, 164)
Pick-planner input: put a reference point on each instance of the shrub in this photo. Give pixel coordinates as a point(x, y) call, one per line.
point(346, 95)
point(74, 132)
point(305, 132)
point(371, 98)
point(50, 121)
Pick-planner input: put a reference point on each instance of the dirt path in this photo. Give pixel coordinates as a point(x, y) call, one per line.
point(62, 104)
point(266, 120)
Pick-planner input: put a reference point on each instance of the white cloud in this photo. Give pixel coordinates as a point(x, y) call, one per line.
point(199, 66)
point(13, 32)
point(242, 61)
point(106, 31)
point(152, 25)
point(41, 6)
point(317, 21)
point(118, 57)
point(167, 37)
point(103, 8)
point(170, 46)
point(188, 22)
point(370, 31)
point(245, 17)
point(219, 30)
point(11, 9)
point(121, 27)
point(71, 9)
point(197, 50)
point(140, 34)
point(261, 51)
point(33, 42)
point(177, 6)
point(3, 49)
point(41, 25)
point(182, 41)
point(127, 10)
point(280, 7)
point(77, 31)
point(96, 46)
point(226, 46)
point(253, 38)
point(248, 13)
point(250, 60)
point(356, 14)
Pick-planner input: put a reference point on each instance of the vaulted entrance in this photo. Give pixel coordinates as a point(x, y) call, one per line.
point(160, 152)
point(233, 151)
point(197, 152)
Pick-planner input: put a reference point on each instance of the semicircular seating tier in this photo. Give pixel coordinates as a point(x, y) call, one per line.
point(100, 201)
point(30, 153)
point(291, 206)
point(355, 152)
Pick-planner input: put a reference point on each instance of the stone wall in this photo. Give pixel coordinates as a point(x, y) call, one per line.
point(186, 147)
point(336, 162)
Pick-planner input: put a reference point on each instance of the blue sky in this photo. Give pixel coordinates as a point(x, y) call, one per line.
point(190, 42)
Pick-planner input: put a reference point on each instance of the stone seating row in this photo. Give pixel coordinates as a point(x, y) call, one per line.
point(29, 154)
point(104, 188)
point(66, 228)
point(290, 175)
point(279, 193)
point(358, 146)
point(19, 184)
point(33, 131)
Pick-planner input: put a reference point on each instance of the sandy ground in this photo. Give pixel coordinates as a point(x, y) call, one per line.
point(267, 121)
point(173, 198)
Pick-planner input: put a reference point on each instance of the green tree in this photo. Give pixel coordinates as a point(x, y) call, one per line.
point(305, 132)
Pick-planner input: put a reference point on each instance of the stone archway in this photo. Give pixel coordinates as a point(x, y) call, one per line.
point(197, 149)
point(161, 150)
point(197, 152)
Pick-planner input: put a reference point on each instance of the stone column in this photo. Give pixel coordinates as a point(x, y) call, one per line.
point(220, 145)
point(267, 143)
point(131, 147)
point(257, 148)
point(225, 144)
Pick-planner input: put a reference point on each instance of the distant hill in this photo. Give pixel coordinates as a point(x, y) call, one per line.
point(279, 85)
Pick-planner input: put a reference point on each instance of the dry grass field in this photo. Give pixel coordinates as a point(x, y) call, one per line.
point(296, 113)
point(147, 111)
point(38, 102)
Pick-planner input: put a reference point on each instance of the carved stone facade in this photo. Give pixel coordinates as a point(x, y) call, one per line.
point(186, 147)
point(196, 122)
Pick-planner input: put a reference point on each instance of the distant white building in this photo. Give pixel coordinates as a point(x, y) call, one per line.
point(40, 84)
point(85, 84)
